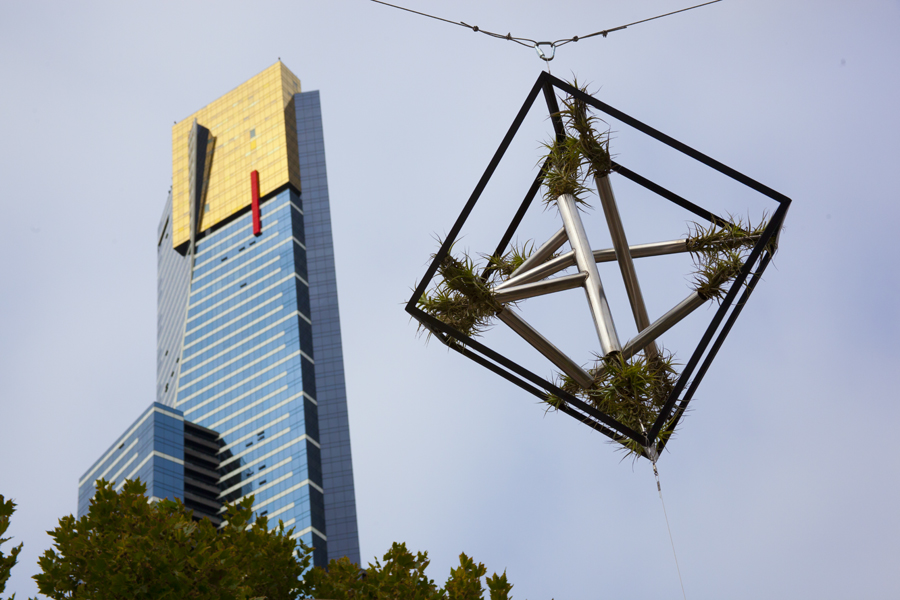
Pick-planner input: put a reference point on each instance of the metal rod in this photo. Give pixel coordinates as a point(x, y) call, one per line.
point(667, 194)
point(644, 250)
point(584, 258)
point(517, 219)
point(663, 324)
point(564, 261)
point(623, 256)
point(687, 372)
point(682, 406)
point(527, 375)
point(476, 194)
point(542, 253)
point(538, 288)
point(668, 141)
point(545, 347)
point(552, 266)
point(585, 417)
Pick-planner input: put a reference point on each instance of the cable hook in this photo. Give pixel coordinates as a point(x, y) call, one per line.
point(540, 52)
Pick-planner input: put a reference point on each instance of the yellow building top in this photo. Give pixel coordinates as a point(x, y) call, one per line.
point(255, 129)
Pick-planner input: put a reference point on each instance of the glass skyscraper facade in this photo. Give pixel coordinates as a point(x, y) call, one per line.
point(249, 349)
point(152, 449)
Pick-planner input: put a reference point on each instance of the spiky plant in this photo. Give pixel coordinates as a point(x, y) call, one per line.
point(582, 152)
point(593, 140)
point(504, 266)
point(715, 271)
point(719, 251)
point(564, 174)
point(633, 392)
point(461, 299)
point(731, 234)
point(464, 299)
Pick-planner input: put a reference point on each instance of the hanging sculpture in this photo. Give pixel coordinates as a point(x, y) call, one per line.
point(633, 393)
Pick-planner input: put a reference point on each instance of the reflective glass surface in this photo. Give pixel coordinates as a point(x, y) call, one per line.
point(247, 367)
point(173, 284)
point(253, 126)
point(334, 427)
point(152, 449)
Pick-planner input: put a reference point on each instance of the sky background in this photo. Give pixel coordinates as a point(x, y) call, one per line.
point(781, 483)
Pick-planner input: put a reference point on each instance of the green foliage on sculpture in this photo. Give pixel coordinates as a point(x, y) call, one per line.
point(564, 175)
point(507, 264)
point(129, 547)
point(719, 251)
point(584, 127)
point(631, 391)
point(581, 151)
point(462, 299)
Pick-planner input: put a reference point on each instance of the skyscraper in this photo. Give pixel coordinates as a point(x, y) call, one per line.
point(250, 385)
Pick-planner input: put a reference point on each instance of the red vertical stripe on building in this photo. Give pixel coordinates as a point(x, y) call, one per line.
point(254, 183)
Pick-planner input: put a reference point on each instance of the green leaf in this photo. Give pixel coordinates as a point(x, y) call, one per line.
point(7, 508)
point(127, 547)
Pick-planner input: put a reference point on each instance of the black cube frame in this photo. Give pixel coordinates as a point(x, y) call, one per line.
point(709, 344)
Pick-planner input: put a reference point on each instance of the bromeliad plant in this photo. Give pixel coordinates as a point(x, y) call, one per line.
point(719, 252)
point(564, 174)
point(465, 300)
point(462, 299)
point(582, 152)
point(506, 265)
point(583, 127)
point(631, 391)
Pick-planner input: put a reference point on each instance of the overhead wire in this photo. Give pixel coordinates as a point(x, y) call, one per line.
point(530, 43)
point(671, 539)
point(604, 32)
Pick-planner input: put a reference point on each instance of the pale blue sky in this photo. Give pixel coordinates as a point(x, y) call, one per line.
point(780, 484)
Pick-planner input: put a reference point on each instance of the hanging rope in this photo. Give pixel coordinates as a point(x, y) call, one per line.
point(671, 539)
point(545, 50)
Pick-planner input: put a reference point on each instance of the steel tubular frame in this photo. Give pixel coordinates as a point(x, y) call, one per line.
point(543, 253)
point(443, 331)
point(623, 256)
point(538, 288)
point(545, 347)
point(539, 272)
point(564, 261)
point(712, 339)
point(593, 287)
point(652, 332)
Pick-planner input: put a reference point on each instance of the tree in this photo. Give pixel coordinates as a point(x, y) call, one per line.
point(127, 547)
point(402, 577)
point(7, 508)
